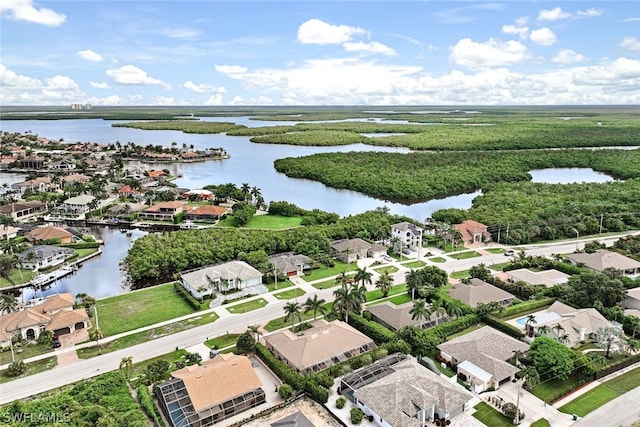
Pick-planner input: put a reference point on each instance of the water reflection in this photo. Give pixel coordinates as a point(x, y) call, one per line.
point(568, 175)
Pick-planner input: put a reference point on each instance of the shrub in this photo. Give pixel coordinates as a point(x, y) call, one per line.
point(356, 415)
point(375, 331)
point(16, 368)
point(146, 403)
point(194, 303)
point(324, 379)
point(340, 402)
point(285, 373)
point(285, 391)
point(316, 392)
point(505, 327)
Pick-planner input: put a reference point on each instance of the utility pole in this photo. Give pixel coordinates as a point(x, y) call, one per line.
point(499, 228)
point(13, 357)
point(95, 311)
point(601, 219)
point(516, 420)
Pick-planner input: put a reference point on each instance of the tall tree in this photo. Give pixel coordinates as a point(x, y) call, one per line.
point(384, 283)
point(551, 359)
point(292, 312)
point(608, 338)
point(126, 363)
point(343, 301)
point(315, 305)
point(96, 335)
point(8, 303)
point(420, 311)
point(414, 282)
point(363, 277)
point(245, 189)
point(7, 263)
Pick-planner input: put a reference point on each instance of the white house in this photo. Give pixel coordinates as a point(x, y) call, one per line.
point(78, 205)
point(229, 276)
point(42, 256)
point(409, 234)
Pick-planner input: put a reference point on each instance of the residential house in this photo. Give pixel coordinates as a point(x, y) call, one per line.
point(398, 391)
point(410, 235)
point(22, 210)
point(78, 205)
point(32, 162)
point(42, 234)
point(216, 390)
point(297, 419)
point(62, 165)
point(42, 256)
point(317, 348)
point(198, 194)
point(396, 317)
point(158, 174)
point(473, 232)
point(224, 277)
point(129, 191)
point(480, 292)
point(350, 250)
point(480, 357)
point(289, 264)
point(570, 325)
point(205, 213)
point(75, 177)
point(548, 278)
point(9, 232)
point(602, 259)
point(40, 184)
point(376, 250)
point(632, 303)
point(55, 314)
point(164, 210)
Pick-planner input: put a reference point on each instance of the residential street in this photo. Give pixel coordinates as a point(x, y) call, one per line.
point(62, 375)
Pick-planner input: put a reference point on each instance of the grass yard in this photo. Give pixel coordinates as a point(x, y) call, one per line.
point(291, 293)
point(552, 390)
point(460, 274)
point(18, 276)
point(625, 382)
point(499, 267)
point(324, 272)
point(85, 252)
point(32, 368)
point(266, 222)
point(281, 285)
point(25, 352)
point(377, 294)
point(280, 323)
point(490, 417)
point(436, 259)
point(325, 284)
point(145, 307)
point(414, 264)
point(541, 423)
point(591, 400)
point(248, 306)
point(465, 255)
point(389, 269)
point(495, 250)
point(223, 341)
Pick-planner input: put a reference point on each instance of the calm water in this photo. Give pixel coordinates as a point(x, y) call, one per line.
point(568, 175)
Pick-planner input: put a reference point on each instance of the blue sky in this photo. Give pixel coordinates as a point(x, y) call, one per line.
point(319, 53)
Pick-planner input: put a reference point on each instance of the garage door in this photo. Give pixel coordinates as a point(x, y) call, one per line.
point(62, 331)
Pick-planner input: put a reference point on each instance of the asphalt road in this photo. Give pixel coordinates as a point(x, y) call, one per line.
point(63, 375)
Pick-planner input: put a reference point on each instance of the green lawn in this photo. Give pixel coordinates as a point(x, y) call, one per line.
point(85, 252)
point(465, 255)
point(282, 283)
point(459, 274)
point(389, 269)
point(541, 423)
point(414, 264)
point(625, 382)
point(32, 368)
point(437, 259)
point(324, 272)
point(291, 293)
point(490, 416)
point(376, 294)
point(268, 222)
point(248, 306)
point(144, 336)
point(145, 307)
point(499, 267)
point(551, 390)
point(591, 400)
point(22, 353)
point(223, 341)
point(18, 276)
point(325, 284)
point(280, 323)
point(495, 250)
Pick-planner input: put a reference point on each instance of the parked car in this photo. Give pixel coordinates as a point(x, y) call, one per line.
point(509, 252)
point(56, 342)
point(406, 251)
point(387, 258)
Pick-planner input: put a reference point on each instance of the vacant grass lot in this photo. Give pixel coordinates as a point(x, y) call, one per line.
point(324, 272)
point(266, 222)
point(389, 269)
point(490, 416)
point(145, 307)
point(282, 283)
point(248, 306)
point(32, 368)
point(291, 293)
point(437, 259)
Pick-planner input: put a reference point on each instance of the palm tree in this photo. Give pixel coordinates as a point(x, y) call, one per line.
point(558, 329)
point(607, 337)
point(358, 295)
point(126, 363)
point(342, 279)
point(7, 263)
point(343, 301)
point(255, 329)
point(8, 303)
point(563, 339)
point(292, 311)
point(528, 325)
point(517, 355)
point(363, 277)
point(315, 305)
point(544, 330)
point(453, 308)
point(414, 281)
point(597, 360)
point(255, 192)
point(420, 311)
point(6, 221)
point(384, 283)
point(245, 189)
point(96, 335)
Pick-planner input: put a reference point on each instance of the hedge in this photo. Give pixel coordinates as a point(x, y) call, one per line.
point(83, 245)
point(378, 333)
point(525, 306)
point(284, 372)
point(618, 366)
point(146, 403)
point(444, 330)
point(194, 303)
point(503, 326)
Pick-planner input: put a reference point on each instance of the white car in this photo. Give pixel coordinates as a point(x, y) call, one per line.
point(509, 252)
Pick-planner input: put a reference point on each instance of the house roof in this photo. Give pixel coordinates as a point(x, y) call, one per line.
point(207, 210)
point(165, 205)
point(63, 319)
point(633, 294)
point(478, 292)
point(83, 199)
point(602, 258)
point(218, 380)
point(76, 177)
point(356, 244)
point(469, 227)
point(399, 396)
point(43, 251)
point(20, 206)
point(287, 262)
point(22, 319)
point(56, 302)
point(487, 349)
point(396, 316)
point(9, 231)
point(227, 271)
point(318, 344)
point(573, 320)
point(46, 233)
point(157, 173)
point(407, 226)
point(297, 419)
point(548, 278)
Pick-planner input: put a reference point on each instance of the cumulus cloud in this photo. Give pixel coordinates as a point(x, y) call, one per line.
point(89, 55)
point(567, 56)
point(516, 30)
point(9, 79)
point(24, 10)
point(214, 100)
point(493, 53)
point(591, 12)
point(131, 75)
point(371, 47)
point(543, 36)
point(18, 89)
point(315, 31)
point(203, 88)
point(554, 14)
point(630, 43)
point(99, 85)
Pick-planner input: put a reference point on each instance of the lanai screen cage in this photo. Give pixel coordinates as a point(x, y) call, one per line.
point(364, 376)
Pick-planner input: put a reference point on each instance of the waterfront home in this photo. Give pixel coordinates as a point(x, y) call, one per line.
point(165, 211)
point(602, 259)
point(480, 357)
point(32, 162)
point(8, 232)
point(220, 278)
point(214, 391)
point(42, 234)
point(22, 210)
point(632, 303)
point(43, 256)
point(480, 292)
point(55, 314)
point(62, 165)
point(198, 194)
point(410, 235)
point(74, 177)
point(40, 184)
point(288, 264)
point(323, 345)
point(398, 391)
point(78, 205)
point(350, 250)
point(473, 232)
point(205, 213)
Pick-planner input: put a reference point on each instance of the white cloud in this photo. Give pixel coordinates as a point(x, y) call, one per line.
point(214, 100)
point(632, 19)
point(493, 53)
point(591, 12)
point(9, 79)
point(516, 30)
point(522, 21)
point(230, 70)
point(567, 56)
point(101, 85)
point(371, 47)
point(554, 14)
point(89, 55)
point(23, 10)
point(203, 88)
point(623, 74)
point(24, 90)
point(630, 43)
point(237, 100)
point(543, 36)
point(131, 75)
point(315, 31)
point(61, 83)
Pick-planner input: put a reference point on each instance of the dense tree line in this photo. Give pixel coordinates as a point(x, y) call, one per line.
point(186, 126)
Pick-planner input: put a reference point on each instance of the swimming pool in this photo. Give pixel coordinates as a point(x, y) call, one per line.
point(539, 318)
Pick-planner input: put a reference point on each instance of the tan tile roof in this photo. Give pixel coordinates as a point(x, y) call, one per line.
point(574, 320)
point(318, 344)
point(396, 316)
point(46, 233)
point(166, 205)
point(64, 319)
point(207, 210)
point(56, 302)
point(478, 292)
point(356, 244)
point(218, 380)
point(18, 320)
